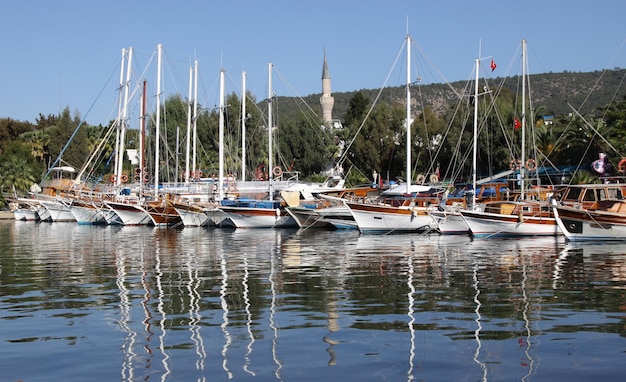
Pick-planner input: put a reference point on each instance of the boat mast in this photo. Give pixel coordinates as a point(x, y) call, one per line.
point(195, 116)
point(142, 138)
point(221, 138)
point(523, 155)
point(243, 126)
point(408, 114)
point(270, 97)
point(119, 114)
point(158, 121)
point(475, 145)
point(187, 147)
point(122, 136)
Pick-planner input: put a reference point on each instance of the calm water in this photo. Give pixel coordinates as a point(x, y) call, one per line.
point(81, 303)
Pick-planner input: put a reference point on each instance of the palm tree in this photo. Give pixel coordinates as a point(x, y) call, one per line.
point(38, 141)
point(17, 173)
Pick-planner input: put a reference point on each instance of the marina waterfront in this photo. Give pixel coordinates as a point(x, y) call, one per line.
point(109, 303)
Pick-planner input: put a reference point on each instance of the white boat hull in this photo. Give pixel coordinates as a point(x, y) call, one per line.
point(485, 224)
point(192, 218)
point(130, 214)
point(87, 214)
point(57, 211)
point(450, 222)
point(580, 225)
point(250, 217)
point(373, 218)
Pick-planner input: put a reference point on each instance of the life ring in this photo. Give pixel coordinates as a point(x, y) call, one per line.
point(515, 164)
point(137, 171)
point(531, 165)
point(145, 177)
point(124, 178)
point(137, 178)
point(277, 171)
point(112, 178)
point(420, 179)
point(621, 166)
point(434, 178)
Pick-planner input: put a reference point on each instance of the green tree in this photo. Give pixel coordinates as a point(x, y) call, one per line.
point(304, 146)
point(38, 141)
point(77, 151)
point(16, 170)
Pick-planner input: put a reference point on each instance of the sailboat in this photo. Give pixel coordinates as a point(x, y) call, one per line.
point(252, 213)
point(448, 214)
point(529, 213)
point(592, 212)
point(136, 207)
point(405, 207)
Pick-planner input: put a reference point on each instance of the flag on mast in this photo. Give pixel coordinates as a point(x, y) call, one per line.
point(493, 65)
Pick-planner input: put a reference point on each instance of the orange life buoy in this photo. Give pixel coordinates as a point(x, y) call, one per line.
point(621, 166)
point(124, 178)
point(277, 171)
point(515, 164)
point(531, 165)
point(112, 178)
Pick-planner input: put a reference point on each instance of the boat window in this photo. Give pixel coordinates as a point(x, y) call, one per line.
point(489, 192)
point(611, 194)
point(573, 194)
point(589, 196)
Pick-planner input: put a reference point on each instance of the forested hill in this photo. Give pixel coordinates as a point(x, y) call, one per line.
point(551, 92)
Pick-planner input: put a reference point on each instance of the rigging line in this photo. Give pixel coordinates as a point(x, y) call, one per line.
point(595, 85)
point(614, 95)
point(76, 130)
point(459, 96)
point(347, 148)
point(593, 128)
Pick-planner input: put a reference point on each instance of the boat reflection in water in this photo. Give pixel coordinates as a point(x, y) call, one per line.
point(207, 303)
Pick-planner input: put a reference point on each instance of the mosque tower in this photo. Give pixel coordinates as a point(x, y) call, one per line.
point(326, 100)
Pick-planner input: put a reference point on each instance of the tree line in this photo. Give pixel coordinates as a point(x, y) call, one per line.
point(372, 139)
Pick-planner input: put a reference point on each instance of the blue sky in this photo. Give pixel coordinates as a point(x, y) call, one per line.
point(66, 53)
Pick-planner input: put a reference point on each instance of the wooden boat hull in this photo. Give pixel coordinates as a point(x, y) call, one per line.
point(579, 224)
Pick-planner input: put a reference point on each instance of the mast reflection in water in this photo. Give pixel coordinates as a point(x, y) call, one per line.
point(196, 304)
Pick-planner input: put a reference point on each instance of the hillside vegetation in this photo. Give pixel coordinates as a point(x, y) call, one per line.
point(586, 92)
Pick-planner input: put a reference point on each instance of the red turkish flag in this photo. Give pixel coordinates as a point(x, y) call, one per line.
point(493, 65)
point(517, 124)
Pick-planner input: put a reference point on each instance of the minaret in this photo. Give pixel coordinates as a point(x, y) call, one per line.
point(326, 100)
